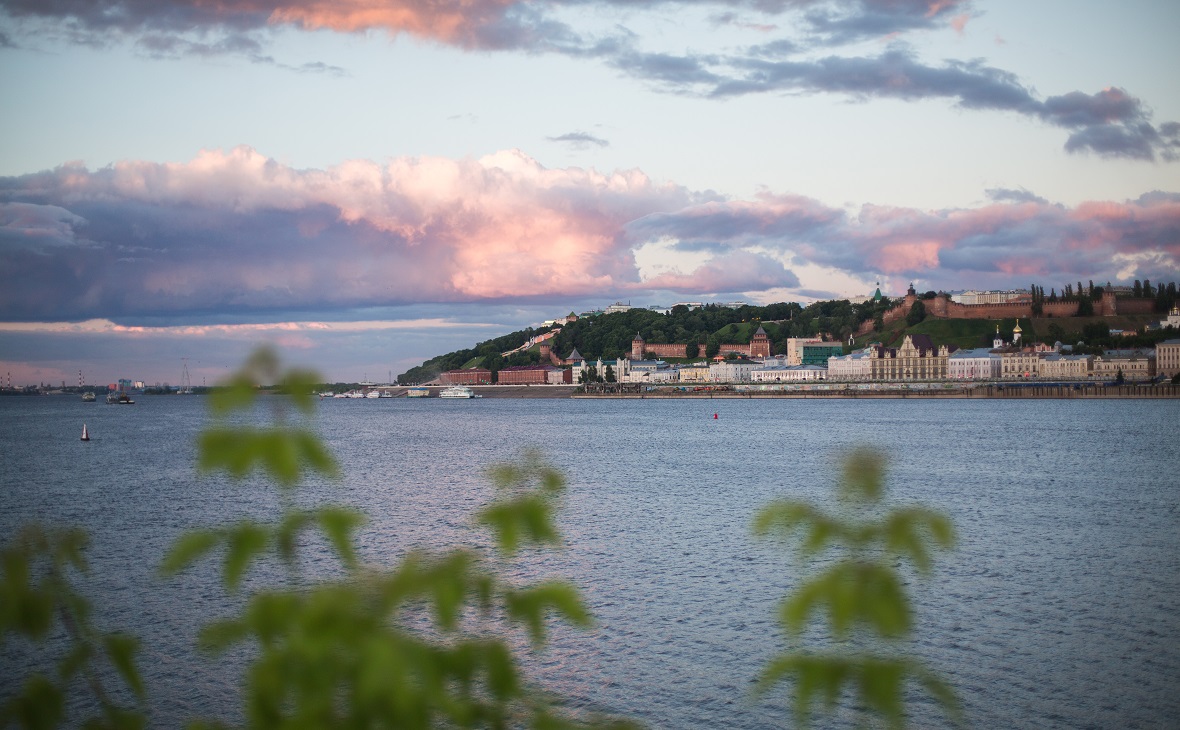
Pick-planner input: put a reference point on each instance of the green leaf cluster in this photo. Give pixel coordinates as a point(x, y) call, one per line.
point(423, 643)
point(860, 596)
point(36, 600)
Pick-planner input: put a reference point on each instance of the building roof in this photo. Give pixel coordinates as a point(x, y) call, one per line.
point(976, 352)
point(519, 368)
point(575, 355)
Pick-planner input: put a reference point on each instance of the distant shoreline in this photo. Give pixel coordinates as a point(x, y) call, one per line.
point(973, 391)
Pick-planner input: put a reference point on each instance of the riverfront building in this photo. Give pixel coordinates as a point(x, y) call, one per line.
point(853, 366)
point(469, 376)
point(1133, 364)
point(789, 374)
point(982, 363)
point(1055, 366)
point(916, 359)
point(732, 371)
point(1167, 358)
point(532, 375)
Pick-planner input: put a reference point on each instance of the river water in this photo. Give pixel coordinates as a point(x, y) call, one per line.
point(1059, 606)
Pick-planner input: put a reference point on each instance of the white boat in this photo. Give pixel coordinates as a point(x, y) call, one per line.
point(88, 397)
point(373, 394)
point(457, 391)
point(85, 433)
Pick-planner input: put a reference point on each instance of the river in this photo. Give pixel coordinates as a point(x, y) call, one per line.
point(1059, 606)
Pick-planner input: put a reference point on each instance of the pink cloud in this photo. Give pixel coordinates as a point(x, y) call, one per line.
point(448, 21)
point(897, 258)
point(234, 231)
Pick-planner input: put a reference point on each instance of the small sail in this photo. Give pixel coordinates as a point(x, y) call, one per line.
point(85, 433)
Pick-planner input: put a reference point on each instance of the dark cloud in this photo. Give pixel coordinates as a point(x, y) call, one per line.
point(842, 23)
point(1111, 123)
point(1007, 195)
point(580, 140)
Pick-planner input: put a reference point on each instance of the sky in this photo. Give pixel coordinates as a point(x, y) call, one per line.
point(369, 183)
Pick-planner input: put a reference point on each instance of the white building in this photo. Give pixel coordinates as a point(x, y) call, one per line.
point(990, 297)
point(789, 374)
point(649, 371)
point(982, 363)
point(732, 371)
point(853, 366)
point(1173, 319)
point(1167, 357)
point(1056, 366)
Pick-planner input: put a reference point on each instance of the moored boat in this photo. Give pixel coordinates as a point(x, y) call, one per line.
point(457, 391)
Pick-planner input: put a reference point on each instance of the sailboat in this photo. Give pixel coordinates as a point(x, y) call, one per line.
point(85, 433)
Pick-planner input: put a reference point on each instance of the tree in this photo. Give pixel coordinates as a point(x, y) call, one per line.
point(1147, 290)
point(609, 376)
point(1137, 289)
point(712, 347)
point(879, 322)
point(917, 313)
point(692, 349)
point(589, 374)
point(1085, 307)
point(859, 595)
point(1119, 377)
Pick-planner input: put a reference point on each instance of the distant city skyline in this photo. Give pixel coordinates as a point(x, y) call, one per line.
point(368, 184)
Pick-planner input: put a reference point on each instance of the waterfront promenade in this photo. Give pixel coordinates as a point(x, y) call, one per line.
point(838, 390)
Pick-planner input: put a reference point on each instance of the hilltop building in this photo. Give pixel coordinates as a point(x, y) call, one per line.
point(640, 349)
point(759, 346)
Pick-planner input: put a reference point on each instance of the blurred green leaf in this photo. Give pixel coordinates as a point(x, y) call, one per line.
point(188, 549)
point(287, 533)
point(859, 594)
point(217, 636)
point(40, 705)
point(121, 650)
point(864, 475)
point(338, 525)
point(74, 661)
point(531, 605)
point(244, 542)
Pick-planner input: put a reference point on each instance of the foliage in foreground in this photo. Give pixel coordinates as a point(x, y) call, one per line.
point(342, 653)
point(860, 596)
point(37, 601)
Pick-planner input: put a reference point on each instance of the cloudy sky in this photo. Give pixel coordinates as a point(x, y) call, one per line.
point(368, 183)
